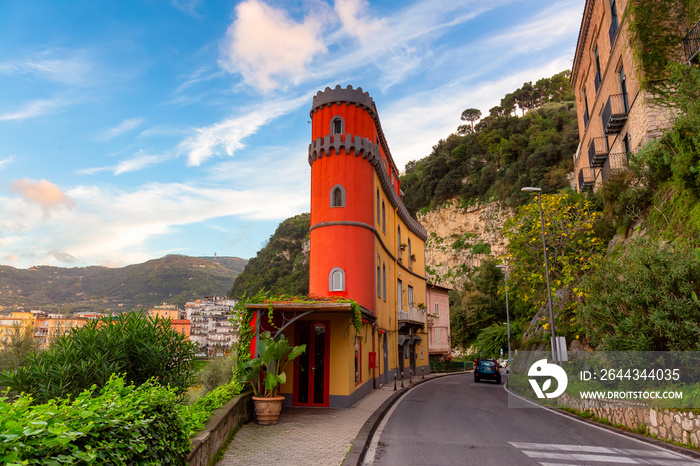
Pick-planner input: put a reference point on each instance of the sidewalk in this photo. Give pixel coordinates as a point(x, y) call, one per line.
point(306, 436)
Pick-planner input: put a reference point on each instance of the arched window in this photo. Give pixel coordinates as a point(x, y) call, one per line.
point(378, 219)
point(399, 242)
point(336, 280)
point(409, 250)
point(384, 282)
point(337, 196)
point(337, 125)
point(379, 282)
point(383, 217)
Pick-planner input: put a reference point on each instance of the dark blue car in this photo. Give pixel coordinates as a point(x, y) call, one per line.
point(487, 369)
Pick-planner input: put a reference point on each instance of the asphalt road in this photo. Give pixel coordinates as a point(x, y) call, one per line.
point(454, 421)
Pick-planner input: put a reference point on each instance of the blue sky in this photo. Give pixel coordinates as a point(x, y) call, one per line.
point(134, 129)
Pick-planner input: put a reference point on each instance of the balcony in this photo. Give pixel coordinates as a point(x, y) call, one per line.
point(617, 162)
point(586, 178)
point(598, 152)
point(691, 44)
point(615, 113)
point(438, 347)
point(412, 316)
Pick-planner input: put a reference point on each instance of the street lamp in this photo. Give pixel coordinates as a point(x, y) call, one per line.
point(538, 191)
point(505, 277)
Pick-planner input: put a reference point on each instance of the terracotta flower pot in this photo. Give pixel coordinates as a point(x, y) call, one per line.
point(267, 410)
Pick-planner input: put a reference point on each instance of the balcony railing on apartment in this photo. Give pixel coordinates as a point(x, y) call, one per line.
point(616, 162)
point(412, 314)
point(691, 44)
point(586, 178)
point(615, 113)
point(613, 32)
point(598, 151)
point(438, 347)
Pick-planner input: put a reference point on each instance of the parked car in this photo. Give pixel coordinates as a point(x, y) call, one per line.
point(487, 369)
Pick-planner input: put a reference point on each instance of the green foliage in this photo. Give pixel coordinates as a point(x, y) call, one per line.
point(265, 374)
point(643, 300)
point(571, 241)
point(492, 339)
point(503, 154)
point(218, 372)
point(133, 344)
point(656, 30)
point(15, 351)
point(281, 266)
point(118, 424)
point(195, 416)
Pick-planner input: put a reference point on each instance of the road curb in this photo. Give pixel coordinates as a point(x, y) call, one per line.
point(356, 455)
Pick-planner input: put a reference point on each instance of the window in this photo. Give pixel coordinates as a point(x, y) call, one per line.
point(614, 24)
point(586, 114)
point(379, 284)
point(437, 309)
point(336, 280)
point(384, 282)
point(437, 335)
point(410, 296)
point(623, 87)
point(337, 125)
point(400, 248)
point(399, 291)
point(383, 217)
point(410, 259)
point(628, 148)
point(378, 218)
point(358, 359)
point(337, 196)
point(598, 75)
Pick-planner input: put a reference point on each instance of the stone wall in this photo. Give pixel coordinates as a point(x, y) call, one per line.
point(223, 422)
point(677, 426)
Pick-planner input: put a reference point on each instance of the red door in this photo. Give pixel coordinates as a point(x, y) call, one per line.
point(311, 369)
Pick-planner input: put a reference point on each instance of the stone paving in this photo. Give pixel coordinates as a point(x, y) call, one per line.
point(304, 436)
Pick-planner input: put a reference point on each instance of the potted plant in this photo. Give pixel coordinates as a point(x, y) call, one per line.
point(265, 374)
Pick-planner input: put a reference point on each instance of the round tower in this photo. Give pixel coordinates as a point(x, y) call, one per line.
point(342, 153)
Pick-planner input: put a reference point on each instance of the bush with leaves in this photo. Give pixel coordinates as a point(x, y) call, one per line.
point(218, 372)
point(644, 300)
point(492, 339)
point(117, 424)
point(16, 350)
point(138, 346)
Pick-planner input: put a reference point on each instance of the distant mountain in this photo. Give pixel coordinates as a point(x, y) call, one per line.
point(174, 279)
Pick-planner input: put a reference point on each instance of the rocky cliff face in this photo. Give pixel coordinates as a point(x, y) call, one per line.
point(459, 239)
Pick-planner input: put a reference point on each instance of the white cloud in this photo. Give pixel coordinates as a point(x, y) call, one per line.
point(43, 193)
point(6, 161)
point(113, 227)
point(227, 137)
point(264, 43)
point(123, 127)
point(65, 66)
point(34, 108)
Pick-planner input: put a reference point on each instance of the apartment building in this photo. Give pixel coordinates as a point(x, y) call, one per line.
point(439, 336)
point(211, 328)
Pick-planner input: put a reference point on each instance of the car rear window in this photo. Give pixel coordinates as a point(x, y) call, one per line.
point(487, 365)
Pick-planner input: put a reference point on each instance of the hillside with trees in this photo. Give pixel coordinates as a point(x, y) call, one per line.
point(282, 265)
point(174, 279)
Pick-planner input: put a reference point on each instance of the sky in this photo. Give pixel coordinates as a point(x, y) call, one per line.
point(133, 129)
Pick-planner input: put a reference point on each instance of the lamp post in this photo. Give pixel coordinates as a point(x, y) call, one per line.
point(538, 191)
point(505, 277)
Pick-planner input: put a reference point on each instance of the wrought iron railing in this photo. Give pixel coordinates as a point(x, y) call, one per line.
point(691, 44)
point(615, 113)
point(586, 178)
point(598, 151)
point(615, 163)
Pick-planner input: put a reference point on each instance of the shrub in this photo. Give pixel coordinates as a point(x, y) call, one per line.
point(196, 415)
point(133, 344)
point(218, 372)
point(120, 424)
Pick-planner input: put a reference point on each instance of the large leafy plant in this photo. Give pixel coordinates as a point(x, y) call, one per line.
point(265, 374)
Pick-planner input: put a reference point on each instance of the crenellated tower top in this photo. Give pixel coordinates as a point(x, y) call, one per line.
point(338, 95)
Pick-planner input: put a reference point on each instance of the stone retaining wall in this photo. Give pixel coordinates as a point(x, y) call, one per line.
point(667, 424)
point(222, 423)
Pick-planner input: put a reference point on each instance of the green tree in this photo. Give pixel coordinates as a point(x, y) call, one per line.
point(471, 115)
point(15, 351)
point(643, 300)
point(572, 244)
point(132, 344)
